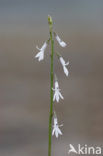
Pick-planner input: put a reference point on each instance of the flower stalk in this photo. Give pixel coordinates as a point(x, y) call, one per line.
point(51, 85)
point(55, 93)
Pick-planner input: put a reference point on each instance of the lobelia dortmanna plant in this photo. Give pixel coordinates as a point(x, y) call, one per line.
point(55, 92)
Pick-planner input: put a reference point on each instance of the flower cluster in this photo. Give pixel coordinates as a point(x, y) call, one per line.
point(57, 91)
point(40, 54)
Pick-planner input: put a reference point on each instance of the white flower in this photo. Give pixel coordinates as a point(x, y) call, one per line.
point(40, 55)
point(62, 43)
point(56, 129)
point(64, 66)
point(57, 94)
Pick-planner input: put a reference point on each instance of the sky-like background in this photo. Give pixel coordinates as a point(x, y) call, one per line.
point(24, 83)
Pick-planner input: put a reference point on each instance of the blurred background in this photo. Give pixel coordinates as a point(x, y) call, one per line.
point(25, 83)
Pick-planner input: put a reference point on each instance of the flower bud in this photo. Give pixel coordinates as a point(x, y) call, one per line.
point(50, 20)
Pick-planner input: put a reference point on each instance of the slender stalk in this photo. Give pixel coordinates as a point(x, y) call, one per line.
point(51, 90)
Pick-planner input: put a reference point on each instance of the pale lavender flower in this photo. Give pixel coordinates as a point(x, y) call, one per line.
point(56, 129)
point(57, 94)
point(62, 61)
point(61, 43)
point(40, 55)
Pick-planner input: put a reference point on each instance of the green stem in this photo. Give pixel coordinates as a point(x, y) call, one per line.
point(51, 93)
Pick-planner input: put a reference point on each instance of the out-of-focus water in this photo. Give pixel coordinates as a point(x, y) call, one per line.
point(24, 82)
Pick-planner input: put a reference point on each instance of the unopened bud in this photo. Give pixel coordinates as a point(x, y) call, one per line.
point(50, 20)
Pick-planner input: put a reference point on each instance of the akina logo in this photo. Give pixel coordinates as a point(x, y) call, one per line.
point(84, 149)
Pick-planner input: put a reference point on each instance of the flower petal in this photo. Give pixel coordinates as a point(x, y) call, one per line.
point(63, 44)
point(62, 61)
point(55, 121)
point(54, 97)
point(44, 46)
point(53, 131)
point(56, 133)
point(59, 131)
point(57, 97)
point(65, 71)
point(37, 55)
point(56, 85)
point(38, 48)
point(67, 63)
point(61, 95)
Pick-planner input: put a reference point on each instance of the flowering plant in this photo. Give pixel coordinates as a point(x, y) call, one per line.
point(57, 92)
